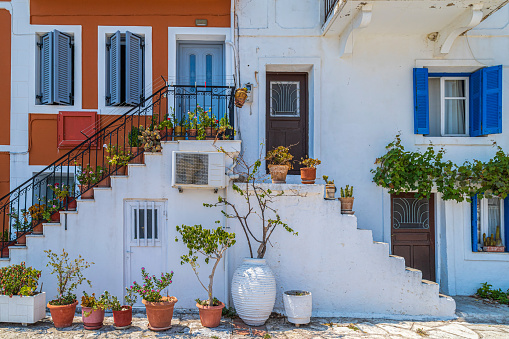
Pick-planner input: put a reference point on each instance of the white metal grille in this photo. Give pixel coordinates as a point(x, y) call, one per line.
point(191, 169)
point(145, 222)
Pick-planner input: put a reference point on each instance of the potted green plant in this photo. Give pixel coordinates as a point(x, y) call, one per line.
point(88, 177)
point(122, 314)
point(135, 144)
point(167, 125)
point(192, 125)
point(5, 242)
point(22, 225)
point(224, 128)
point(159, 308)
point(346, 200)
point(118, 158)
point(36, 214)
point(180, 127)
point(308, 172)
point(330, 188)
point(280, 161)
point(64, 194)
point(52, 211)
point(211, 244)
point(18, 291)
point(92, 310)
point(69, 275)
point(150, 139)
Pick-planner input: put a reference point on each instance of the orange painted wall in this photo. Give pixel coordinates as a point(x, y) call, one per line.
point(4, 173)
point(5, 77)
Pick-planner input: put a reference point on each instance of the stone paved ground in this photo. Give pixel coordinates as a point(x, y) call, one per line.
point(476, 319)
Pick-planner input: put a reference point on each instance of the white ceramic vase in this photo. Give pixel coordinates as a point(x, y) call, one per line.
point(298, 306)
point(254, 291)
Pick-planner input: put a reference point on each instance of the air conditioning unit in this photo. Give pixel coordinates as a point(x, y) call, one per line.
point(198, 170)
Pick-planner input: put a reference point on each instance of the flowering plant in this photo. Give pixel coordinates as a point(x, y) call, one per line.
point(280, 156)
point(20, 223)
point(117, 156)
point(60, 191)
point(151, 288)
point(51, 207)
point(18, 280)
point(88, 176)
point(192, 121)
point(96, 304)
point(310, 162)
point(36, 211)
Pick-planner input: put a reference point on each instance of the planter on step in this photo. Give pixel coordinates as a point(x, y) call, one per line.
point(5, 251)
point(330, 192)
point(180, 133)
point(55, 217)
point(122, 170)
point(308, 175)
point(24, 310)
point(105, 182)
point(191, 134)
point(37, 229)
point(159, 314)
point(210, 316)
point(254, 291)
point(122, 319)
point(22, 240)
point(62, 315)
point(138, 153)
point(210, 133)
point(278, 173)
point(88, 194)
point(298, 306)
point(92, 319)
point(346, 205)
point(71, 203)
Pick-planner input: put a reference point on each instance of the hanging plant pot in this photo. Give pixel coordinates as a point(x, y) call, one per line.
point(346, 205)
point(159, 314)
point(240, 97)
point(298, 306)
point(308, 175)
point(92, 319)
point(122, 319)
point(278, 173)
point(62, 315)
point(254, 291)
point(210, 316)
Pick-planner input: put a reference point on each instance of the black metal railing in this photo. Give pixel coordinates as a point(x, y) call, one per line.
point(178, 112)
point(329, 8)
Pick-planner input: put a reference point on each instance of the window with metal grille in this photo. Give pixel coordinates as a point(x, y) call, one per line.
point(144, 222)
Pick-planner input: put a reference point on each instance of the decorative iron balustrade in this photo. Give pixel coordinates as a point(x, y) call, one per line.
point(210, 110)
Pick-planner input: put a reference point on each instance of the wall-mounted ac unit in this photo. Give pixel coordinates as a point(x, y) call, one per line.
point(198, 170)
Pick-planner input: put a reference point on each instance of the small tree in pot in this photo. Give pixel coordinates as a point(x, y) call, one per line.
point(308, 172)
point(211, 244)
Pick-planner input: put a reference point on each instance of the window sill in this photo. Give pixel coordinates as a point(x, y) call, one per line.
point(421, 140)
point(487, 256)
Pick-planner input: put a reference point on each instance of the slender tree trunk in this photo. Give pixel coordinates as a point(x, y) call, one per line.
point(211, 280)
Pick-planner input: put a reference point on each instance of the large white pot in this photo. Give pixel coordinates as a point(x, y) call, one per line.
point(253, 291)
point(298, 306)
point(24, 310)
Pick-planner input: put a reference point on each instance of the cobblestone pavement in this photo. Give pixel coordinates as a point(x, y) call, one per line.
point(187, 325)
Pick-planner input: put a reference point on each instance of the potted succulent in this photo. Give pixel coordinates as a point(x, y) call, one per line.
point(69, 275)
point(280, 161)
point(122, 314)
point(298, 306)
point(493, 243)
point(253, 283)
point(150, 139)
point(22, 226)
point(18, 291)
point(63, 194)
point(330, 188)
point(240, 96)
point(346, 200)
point(308, 172)
point(118, 158)
point(92, 310)
point(211, 244)
point(87, 178)
point(159, 308)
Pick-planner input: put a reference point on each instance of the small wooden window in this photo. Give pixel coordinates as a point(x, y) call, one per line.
point(75, 127)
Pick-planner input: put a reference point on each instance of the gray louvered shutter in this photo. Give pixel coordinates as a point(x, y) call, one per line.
point(47, 68)
point(134, 69)
point(62, 53)
point(114, 65)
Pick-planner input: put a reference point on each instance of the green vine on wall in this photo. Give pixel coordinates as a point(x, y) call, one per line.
point(403, 171)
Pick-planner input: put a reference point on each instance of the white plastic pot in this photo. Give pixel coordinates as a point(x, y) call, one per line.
point(24, 310)
point(253, 291)
point(298, 306)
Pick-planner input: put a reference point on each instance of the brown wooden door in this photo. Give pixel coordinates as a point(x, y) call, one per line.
point(287, 114)
point(413, 232)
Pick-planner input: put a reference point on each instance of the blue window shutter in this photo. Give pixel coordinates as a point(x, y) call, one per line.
point(506, 223)
point(492, 100)
point(476, 104)
point(421, 101)
point(134, 69)
point(114, 65)
point(62, 51)
point(47, 68)
point(473, 206)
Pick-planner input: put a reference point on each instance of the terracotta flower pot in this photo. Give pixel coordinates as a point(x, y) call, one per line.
point(55, 217)
point(180, 131)
point(5, 251)
point(210, 316)
point(138, 153)
point(159, 314)
point(37, 229)
point(240, 97)
point(210, 133)
point(346, 205)
point(308, 175)
point(168, 134)
point(191, 134)
point(62, 315)
point(71, 203)
point(22, 240)
point(278, 173)
point(121, 170)
point(123, 319)
point(88, 194)
point(92, 319)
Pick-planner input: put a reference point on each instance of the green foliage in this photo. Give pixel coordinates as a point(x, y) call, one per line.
point(36, 211)
point(69, 275)
point(117, 156)
point(20, 223)
point(327, 181)
point(310, 162)
point(60, 191)
point(280, 156)
point(215, 302)
point(229, 312)
point(403, 171)
point(88, 175)
point(51, 207)
point(346, 192)
point(132, 137)
point(152, 286)
point(210, 243)
point(18, 280)
point(487, 292)
point(150, 139)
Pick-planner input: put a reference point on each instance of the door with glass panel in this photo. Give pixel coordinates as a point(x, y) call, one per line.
point(287, 114)
point(144, 244)
point(413, 232)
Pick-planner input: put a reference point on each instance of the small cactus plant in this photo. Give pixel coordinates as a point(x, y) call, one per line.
point(150, 139)
point(327, 181)
point(347, 192)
